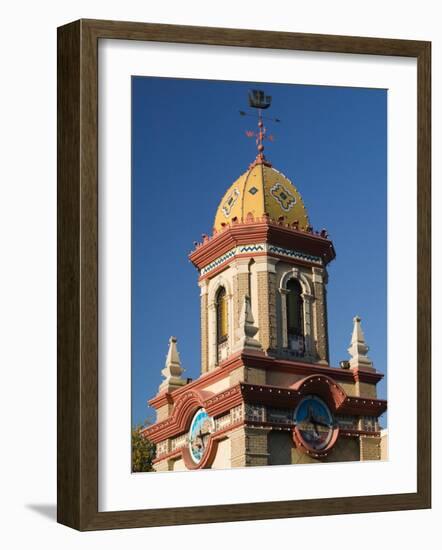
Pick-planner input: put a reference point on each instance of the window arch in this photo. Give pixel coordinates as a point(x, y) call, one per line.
point(222, 323)
point(295, 316)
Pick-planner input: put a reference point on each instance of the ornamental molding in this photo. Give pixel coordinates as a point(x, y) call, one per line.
point(179, 421)
point(274, 396)
point(300, 276)
point(253, 231)
point(263, 407)
point(216, 263)
point(321, 385)
point(220, 282)
point(255, 248)
point(257, 359)
point(295, 254)
point(185, 407)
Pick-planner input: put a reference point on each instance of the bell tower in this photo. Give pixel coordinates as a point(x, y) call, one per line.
point(264, 248)
point(279, 266)
point(267, 393)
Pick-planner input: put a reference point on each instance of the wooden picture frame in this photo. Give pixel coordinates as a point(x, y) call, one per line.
point(78, 274)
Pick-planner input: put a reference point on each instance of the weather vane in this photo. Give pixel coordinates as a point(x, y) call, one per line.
point(259, 100)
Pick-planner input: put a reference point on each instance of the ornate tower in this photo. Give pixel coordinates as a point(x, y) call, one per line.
point(266, 394)
point(263, 247)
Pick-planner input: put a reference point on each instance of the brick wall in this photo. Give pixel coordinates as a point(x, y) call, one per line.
point(204, 334)
point(240, 289)
point(366, 390)
point(237, 375)
point(238, 447)
point(257, 453)
point(321, 321)
point(280, 445)
point(255, 376)
point(267, 309)
point(384, 445)
point(164, 412)
point(370, 448)
point(163, 466)
point(345, 450)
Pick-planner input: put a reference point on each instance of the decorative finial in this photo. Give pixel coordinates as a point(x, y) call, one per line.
point(258, 100)
point(172, 371)
point(358, 348)
point(246, 331)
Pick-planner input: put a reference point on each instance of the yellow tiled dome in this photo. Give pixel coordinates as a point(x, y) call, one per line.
point(260, 191)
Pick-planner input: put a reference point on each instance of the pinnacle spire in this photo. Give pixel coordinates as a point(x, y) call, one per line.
point(247, 330)
point(358, 347)
point(172, 371)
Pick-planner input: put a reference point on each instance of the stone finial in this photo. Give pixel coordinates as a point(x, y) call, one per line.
point(247, 330)
point(172, 371)
point(358, 348)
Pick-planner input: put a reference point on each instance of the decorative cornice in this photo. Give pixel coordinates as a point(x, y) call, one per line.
point(161, 399)
point(296, 254)
point(363, 406)
point(299, 367)
point(368, 376)
point(277, 396)
point(221, 260)
point(186, 406)
point(344, 432)
point(224, 401)
point(268, 255)
point(252, 231)
point(261, 360)
point(233, 362)
point(179, 421)
point(253, 249)
point(321, 385)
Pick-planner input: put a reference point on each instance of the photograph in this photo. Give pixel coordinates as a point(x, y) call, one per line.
point(258, 274)
point(219, 255)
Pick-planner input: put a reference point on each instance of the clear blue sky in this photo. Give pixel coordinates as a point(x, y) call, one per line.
point(189, 145)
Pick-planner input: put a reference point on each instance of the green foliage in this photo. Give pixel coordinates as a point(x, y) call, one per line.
point(143, 451)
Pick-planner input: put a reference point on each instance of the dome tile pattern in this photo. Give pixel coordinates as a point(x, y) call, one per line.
point(260, 191)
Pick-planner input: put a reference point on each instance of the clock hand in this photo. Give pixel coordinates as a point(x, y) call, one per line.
point(315, 426)
point(201, 435)
point(320, 423)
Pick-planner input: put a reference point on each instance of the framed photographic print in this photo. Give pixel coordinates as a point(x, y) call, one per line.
point(243, 275)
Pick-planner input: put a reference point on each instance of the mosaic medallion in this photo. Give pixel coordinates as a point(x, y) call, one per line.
point(285, 199)
point(228, 205)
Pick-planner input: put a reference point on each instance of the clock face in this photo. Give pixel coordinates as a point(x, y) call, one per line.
point(314, 422)
point(199, 433)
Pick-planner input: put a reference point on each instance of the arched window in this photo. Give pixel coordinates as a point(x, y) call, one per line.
point(222, 325)
point(295, 318)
